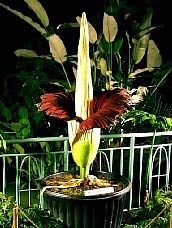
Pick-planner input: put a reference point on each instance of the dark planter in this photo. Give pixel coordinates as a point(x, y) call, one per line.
point(102, 211)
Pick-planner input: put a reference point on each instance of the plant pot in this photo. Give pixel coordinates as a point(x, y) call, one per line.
point(101, 211)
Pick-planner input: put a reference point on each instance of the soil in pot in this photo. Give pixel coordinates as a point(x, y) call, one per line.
point(95, 202)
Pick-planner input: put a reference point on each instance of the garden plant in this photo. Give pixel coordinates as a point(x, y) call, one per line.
point(111, 66)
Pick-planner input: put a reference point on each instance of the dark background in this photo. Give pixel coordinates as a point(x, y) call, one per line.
point(16, 33)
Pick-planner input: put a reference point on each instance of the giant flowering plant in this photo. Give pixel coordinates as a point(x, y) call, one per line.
point(85, 111)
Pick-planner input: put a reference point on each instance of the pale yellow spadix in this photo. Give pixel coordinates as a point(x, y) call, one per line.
point(85, 147)
point(84, 87)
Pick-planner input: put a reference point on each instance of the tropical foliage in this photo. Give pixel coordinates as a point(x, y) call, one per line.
point(122, 54)
point(155, 214)
point(28, 217)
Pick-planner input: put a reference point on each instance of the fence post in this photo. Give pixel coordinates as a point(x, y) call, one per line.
point(15, 216)
point(131, 162)
point(66, 155)
point(171, 216)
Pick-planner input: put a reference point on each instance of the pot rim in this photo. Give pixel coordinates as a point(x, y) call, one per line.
point(119, 178)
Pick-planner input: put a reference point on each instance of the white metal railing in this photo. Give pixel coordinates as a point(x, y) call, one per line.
point(144, 158)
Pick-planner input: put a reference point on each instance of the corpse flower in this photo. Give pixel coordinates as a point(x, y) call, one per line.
point(85, 111)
